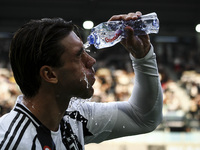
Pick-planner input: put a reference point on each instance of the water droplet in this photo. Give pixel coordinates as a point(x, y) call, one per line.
point(78, 102)
point(86, 80)
point(76, 115)
point(123, 126)
point(87, 50)
point(96, 123)
point(86, 45)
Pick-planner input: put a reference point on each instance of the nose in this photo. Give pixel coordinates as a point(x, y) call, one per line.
point(90, 61)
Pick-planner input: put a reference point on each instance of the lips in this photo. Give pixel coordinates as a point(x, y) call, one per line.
point(92, 79)
point(92, 76)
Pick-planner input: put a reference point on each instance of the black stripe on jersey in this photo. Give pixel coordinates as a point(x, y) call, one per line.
point(76, 115)
point(9, 129)
point(33, 144)
point(15, 132)
point(44, 137)
point(20, 108)
point(21, 134)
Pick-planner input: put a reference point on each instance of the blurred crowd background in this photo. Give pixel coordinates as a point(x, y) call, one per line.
point(179, 74)
point(177, 48)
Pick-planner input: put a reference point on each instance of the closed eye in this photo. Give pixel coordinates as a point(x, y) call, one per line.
point(80, 52)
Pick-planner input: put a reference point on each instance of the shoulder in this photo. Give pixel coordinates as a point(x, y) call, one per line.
point(7, 119)
point(16, 130)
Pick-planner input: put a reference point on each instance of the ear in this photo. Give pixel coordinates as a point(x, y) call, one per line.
point(47, 73)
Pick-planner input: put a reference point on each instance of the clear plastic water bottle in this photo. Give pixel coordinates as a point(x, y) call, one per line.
point(110, 33)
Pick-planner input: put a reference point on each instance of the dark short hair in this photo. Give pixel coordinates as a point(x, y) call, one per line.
point(35, 44)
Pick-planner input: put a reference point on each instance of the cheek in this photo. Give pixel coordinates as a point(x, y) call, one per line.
point(79, 77)
point(75, 74)
point(74, 77)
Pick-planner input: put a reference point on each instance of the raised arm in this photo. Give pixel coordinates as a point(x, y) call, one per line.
point(142, 113)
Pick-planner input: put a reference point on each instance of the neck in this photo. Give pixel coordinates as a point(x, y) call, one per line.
point(48, 109)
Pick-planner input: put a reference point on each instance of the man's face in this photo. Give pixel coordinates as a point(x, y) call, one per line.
point(76, 76)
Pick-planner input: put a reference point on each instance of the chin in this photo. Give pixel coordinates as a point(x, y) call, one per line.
point(88, 93)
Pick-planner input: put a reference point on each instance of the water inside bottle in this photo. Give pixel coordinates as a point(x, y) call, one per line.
point(86, 45)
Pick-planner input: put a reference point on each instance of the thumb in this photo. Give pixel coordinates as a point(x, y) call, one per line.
point(129, 40)
point(129, 32)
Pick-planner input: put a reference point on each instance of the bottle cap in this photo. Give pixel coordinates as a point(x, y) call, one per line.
point(91, 39)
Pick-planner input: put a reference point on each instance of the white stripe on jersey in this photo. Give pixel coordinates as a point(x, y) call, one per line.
point(15, 132)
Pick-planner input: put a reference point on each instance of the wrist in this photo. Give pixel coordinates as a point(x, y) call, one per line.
point(148, 54)
point(140, 54)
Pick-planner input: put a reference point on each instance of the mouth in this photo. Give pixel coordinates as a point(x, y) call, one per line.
point(92, 78)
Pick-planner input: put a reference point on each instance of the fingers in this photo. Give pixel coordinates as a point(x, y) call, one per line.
point(133, 16)
point(129, 16)
point(117, 17)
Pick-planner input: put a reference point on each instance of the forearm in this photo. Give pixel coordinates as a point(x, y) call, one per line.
point(147, 88)
point(143, 112)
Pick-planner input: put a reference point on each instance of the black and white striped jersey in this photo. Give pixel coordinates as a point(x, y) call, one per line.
point(21, 130)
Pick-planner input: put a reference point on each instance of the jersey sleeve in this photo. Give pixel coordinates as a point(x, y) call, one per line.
point(142, 113)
